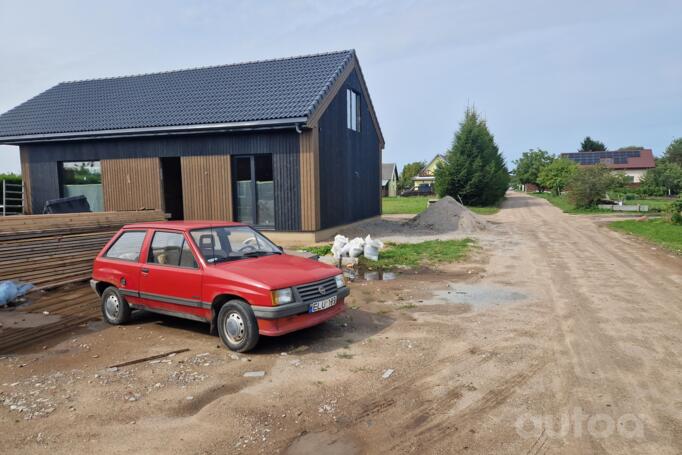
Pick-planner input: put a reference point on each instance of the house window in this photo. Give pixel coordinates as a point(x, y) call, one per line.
point(352, 110)
point(83, 178)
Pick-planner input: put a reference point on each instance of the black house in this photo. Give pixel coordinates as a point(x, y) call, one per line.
point(291, 145)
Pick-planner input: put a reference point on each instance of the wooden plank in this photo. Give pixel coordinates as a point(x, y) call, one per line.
point(132, 184)
point(25, 180)
point(207, 187)
point(310, 180)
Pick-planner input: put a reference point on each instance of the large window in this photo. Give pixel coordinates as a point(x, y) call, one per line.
point(254, 190)
point(352, 110)
point(127, 247)
point(83, 178)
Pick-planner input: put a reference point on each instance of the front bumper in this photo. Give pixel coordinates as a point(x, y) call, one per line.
point(93, 285)
point(294, 308)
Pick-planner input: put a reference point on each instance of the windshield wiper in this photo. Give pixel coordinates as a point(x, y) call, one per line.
point(226, 259)
point(253, 254)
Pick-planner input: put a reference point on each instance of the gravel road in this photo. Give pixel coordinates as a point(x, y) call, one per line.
point(556, 336)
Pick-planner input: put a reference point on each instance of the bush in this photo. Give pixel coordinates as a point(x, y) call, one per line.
point(630, 197)
point(589, 185)
point(673, 212)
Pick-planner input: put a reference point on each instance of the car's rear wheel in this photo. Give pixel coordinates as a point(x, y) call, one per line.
point(115, 309)
point(237, 326)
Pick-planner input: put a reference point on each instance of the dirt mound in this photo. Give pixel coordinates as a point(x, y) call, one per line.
point(448, 215)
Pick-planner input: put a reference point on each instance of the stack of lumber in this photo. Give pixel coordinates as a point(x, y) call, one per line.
point(52, 250)
point(74, 305)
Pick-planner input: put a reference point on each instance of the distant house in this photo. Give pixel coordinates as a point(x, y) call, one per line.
point(389, 179)
point(427, 176)
point(291, 145)
point(632, 163)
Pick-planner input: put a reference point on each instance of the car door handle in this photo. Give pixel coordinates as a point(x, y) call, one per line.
point(145, 270)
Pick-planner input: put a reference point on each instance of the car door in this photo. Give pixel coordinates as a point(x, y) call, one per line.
point(171, 277)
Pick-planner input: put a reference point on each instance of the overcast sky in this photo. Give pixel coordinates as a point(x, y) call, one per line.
point(543, 74)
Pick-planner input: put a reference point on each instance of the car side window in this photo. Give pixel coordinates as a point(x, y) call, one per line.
point(127, 247)
point(170, 248)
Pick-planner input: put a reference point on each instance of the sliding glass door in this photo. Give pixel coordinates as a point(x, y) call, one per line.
point(254, 196)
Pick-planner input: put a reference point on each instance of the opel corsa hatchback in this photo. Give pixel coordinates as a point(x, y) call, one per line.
point(226, 274)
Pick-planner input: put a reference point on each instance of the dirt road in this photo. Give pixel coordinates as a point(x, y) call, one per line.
point(557, 336)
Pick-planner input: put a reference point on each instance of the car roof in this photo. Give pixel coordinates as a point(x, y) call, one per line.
point(181, 225)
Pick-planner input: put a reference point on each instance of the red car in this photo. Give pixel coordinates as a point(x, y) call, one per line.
point(226, 274)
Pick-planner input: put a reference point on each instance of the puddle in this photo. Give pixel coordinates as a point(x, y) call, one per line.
point(477, 296)
point(324, 442)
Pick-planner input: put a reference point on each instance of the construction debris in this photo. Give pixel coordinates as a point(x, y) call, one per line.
point(52, 250)
point(10, 291)
point(254, 374)
point(356, 247)
point(387, 374)
point(151, 357)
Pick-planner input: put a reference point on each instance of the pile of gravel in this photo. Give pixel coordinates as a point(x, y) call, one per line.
point(448, 215)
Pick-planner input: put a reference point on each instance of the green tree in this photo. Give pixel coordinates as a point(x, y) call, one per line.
point(531, 163)
point(589, 184)
point(590, 145)
point(557, 175)
point(10, 177)
point(673, 153)
point(474, 169)
point(409, 170)
point(664, 179)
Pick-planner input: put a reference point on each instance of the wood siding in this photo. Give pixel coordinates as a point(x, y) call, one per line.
point(349, 162)
point(44, 161)
point(206, 186)
point(310, 181)
point(132, 184)
point(26, 182)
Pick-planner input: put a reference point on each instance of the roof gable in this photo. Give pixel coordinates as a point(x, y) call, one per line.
point(388, 171)
point(260, 92)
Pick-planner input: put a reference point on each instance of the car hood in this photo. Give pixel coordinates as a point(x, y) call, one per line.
point(278, 271)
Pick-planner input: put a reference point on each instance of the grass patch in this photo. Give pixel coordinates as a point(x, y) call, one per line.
point(404, 205)
point(566, 206)
point(344, 355)
point(407, 306)
point(415, 254)
point(657, 231)
point(416, 204)
point(320, 250)
point(488, 210)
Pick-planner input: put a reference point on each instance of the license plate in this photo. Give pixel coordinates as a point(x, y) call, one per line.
point(322, 304)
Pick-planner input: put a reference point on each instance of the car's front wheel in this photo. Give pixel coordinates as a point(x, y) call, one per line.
point(237, 326)
point(115, 309)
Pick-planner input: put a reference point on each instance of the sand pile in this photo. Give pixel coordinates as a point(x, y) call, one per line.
point(448, 215)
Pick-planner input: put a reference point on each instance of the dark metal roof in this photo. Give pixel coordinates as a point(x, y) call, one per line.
point(265, 93)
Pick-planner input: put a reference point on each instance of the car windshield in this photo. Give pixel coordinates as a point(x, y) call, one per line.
point(229, 243)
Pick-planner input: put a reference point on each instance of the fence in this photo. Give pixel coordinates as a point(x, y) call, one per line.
point(624, 208)
point(12, 199)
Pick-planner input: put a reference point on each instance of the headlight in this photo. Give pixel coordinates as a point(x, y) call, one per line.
point(340, 281)
point(282, 296)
